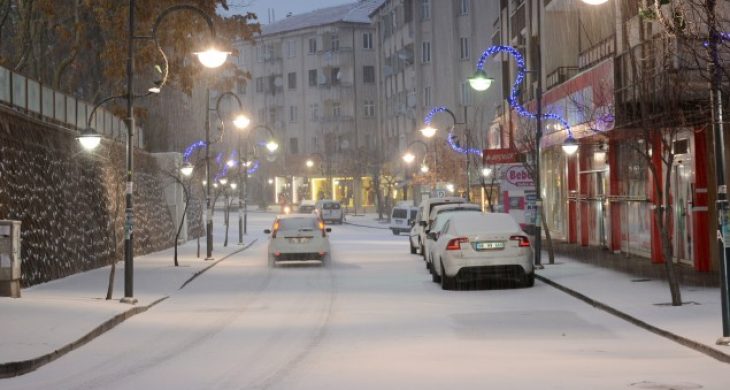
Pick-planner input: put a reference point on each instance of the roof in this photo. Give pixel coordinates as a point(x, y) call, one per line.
point(357, 12)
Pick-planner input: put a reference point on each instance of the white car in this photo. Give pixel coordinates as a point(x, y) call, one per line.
point(329, 211)
point(440, 215)
point(298, 237)
point(417, 236)
point(480, 246)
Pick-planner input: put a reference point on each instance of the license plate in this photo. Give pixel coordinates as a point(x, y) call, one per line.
point(298, 240)
point(489, 245)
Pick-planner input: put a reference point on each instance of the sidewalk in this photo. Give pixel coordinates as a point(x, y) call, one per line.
point(53, 318)
point(612, 283)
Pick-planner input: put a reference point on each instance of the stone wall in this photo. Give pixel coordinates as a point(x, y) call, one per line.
point(71, 203)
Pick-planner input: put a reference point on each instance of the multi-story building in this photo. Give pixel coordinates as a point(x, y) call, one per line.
point(313, 83)
point(620, 82)
point(426, 51)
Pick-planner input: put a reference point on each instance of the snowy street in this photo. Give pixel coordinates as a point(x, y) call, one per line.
point(372, 319)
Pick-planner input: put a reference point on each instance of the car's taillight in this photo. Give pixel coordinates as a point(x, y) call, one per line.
point(321, 227)
point(455, 243)
point(522, 241)
point(275, 229)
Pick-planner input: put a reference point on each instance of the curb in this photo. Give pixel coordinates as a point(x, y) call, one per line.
point(365, 226)
point(11, 369)
point(195, 275)
point(697, 346)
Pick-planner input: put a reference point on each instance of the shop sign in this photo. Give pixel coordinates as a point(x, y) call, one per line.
point(502, 156)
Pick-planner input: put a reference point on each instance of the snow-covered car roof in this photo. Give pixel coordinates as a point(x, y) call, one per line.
point(449, 206)
point(298, 215)
point(464, 223)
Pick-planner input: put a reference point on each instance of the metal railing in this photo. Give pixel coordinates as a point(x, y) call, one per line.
point(597, 53)
point(560, 75)
point(34, 99)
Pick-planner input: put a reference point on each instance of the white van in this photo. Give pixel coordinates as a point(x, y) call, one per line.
point(402, 218)
point(329, 211)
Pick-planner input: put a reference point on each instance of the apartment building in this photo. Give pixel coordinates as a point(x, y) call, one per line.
point(313, 83)
point(605, 194)
point(426, 50)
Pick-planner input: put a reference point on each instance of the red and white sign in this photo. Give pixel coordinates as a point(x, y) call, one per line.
point(501, 156)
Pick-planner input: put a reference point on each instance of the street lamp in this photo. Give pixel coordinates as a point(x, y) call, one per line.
point(428, 131)
point(486, 171)
point(89, 139)
point(409, 157)
point(479, 81)
point(309, 163)
point(187, 169)
point(243, 169)
point(594, 2)
point(570, 146)
point(212, 58)
point(85, 139)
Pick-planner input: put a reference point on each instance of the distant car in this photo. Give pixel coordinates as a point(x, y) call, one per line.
point(306, 207)
point(298, 237)
point(417, 235)
point(330, 211)
point(440, 215)
point(402, 218)
point(479, 247)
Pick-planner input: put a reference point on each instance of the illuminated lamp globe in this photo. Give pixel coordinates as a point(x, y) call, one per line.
point(154, 90)
point(212, 58)
point(309, 163)
point(409, 157)
point(570, 146)
point(594, 2)
point(424, 168)
point(223, 181)
point(272, 146)
point(187, 169)
point(486, 171)
point(271, 181)
point(428, 131)
point(231, 163)
point(480, 81)
point(241, 122)
point(233, 186)
point(450, 187)
point(89, 139)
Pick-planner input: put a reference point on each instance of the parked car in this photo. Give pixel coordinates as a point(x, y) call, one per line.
point(298, 237)
point(440, 215)
point(306, 207)
point(330, 211)
point(417, 236)
point(402, 218)
point(482, 246)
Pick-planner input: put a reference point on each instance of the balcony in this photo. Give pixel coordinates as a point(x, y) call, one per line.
point(597, 53)
point(560, 75)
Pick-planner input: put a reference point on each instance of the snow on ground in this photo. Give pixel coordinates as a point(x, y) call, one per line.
point(371, 319)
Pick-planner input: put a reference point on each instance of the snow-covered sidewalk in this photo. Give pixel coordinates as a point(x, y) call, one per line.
point(367, 220)
point(647, 300)
point(52, 315)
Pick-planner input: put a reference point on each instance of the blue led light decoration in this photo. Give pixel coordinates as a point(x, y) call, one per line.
point(515, 93)
point(191, 149)
point(451, 138)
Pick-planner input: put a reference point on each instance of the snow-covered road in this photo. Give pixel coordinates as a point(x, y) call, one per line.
point(370, 320)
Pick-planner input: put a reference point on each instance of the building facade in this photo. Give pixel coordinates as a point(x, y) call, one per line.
point(313, 83)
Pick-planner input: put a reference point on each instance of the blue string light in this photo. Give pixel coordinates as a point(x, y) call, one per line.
point(451, 138)
point(515, 93)
point(255, 167)
point(191, 149)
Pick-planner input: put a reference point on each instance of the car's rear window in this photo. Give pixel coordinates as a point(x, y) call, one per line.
point(413, 214)
point(400, 213)
point(295, 224)
point(331, 206)
point(306, 209)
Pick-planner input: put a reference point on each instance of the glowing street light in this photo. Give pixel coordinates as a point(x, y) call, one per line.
point(272, 146)
point(187, 169)
point(241, 122)
point(486, 171)
point(570, 146)
point(594, 2)
point(428, 131)
point(450, 187)
point(89, 139)
point(479, 81)
point(223, 181)
point(409, 157)
point(309, 163)
point(212, 58)
point(424, 168)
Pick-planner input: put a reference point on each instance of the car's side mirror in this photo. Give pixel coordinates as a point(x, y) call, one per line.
point(427, 231)
point(328, 230)
point(422, 223)
point(267, 231)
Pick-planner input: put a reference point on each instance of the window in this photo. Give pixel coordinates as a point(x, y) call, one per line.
point(368, 74)
point(367, 40)
point(464, 44)
point(334, 42)
point(313, 77)
point(262, 115)
point(291, 48)
point(241, 87)
point(293, 111)
point(260, 84)
point(425, 9)
point(336, 110)
point(294, 145)
point(427, 97)
point(464, 7)
point(335, 76)
point(369, 109)
point(315, 111)
point(426, 52)
point(292, 80)
point(312, 45)
point(465, 94)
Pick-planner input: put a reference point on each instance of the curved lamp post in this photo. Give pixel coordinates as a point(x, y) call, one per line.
point(408, 157)
point(85, 137)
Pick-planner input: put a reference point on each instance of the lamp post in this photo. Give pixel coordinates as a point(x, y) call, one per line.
point(211, 58)
point(408, 157)
point(271, 146)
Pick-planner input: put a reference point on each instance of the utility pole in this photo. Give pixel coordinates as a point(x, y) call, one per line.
point(208, 198)
point(538, 138)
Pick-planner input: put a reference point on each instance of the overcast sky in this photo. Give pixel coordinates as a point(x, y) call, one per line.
point(280, 7)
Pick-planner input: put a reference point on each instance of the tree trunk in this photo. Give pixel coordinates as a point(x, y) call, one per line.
point(548, 237)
